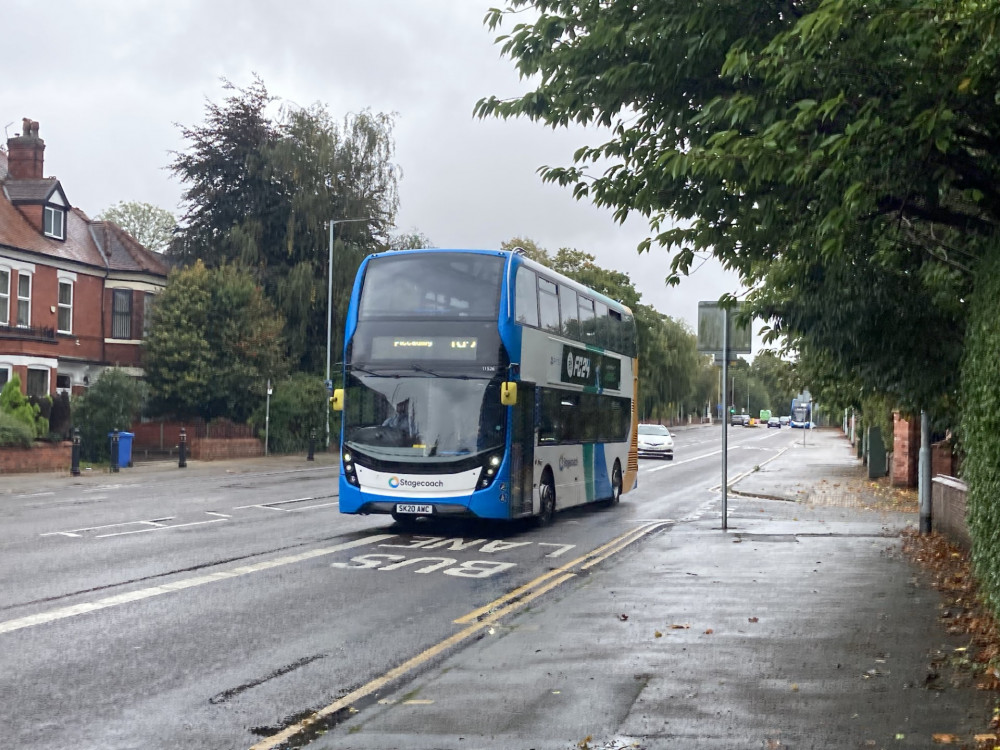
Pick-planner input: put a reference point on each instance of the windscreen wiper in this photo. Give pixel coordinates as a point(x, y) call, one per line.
point(356, 368)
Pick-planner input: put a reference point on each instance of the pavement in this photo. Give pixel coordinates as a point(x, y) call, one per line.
point(800, 626)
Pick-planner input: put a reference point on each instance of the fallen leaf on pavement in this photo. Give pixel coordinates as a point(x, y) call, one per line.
point(709, 631)
point(752, 619)
point(679, 627)
point(986, 738)
point(944, 739)
point(657, 634)
point(623, 618)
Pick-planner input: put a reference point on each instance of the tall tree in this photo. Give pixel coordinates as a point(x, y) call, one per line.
point(411, 240)
point(214, 342)
point(843, 138)
point(151, 225)
point(263, 190)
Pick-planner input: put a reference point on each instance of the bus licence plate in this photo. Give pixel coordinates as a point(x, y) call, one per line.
point(408, 508)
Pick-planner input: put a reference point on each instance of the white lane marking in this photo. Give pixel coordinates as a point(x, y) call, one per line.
point(77, 532)
point(276, 505)
point(313, 507)
point(562, 548)
point(748, 472)
point(220, 515)
point(159, 527)
point(185, 583)
point(686, 460)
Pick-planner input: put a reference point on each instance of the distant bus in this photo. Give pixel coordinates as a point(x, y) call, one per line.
point(801, 414)
point(481, 384)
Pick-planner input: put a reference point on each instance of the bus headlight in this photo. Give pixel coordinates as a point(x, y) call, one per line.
point(489, 471)
point(349, 474)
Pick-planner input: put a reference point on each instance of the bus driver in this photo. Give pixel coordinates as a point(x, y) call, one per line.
point(400, 420)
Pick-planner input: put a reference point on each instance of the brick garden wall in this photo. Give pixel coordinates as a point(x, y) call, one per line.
point(219, 449)
point(39, 457)
point(948, 497)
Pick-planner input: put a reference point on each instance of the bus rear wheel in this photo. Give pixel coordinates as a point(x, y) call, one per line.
point(616, 486)
point(547, 497)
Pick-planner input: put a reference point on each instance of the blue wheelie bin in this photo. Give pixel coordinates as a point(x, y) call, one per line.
point(124, 447)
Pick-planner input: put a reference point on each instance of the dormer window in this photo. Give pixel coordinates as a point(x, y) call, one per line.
point(55, 223)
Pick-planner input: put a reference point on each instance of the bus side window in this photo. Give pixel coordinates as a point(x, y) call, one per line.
point(589, 418)
point(548, 416)
point(525, 298)
point(628, 336)
point(614, 330)
point(601, 321)
point(570, 316)
point(587, 319)
point(548, 305)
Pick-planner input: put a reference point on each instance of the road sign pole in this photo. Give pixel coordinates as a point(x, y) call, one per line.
point(725, 422)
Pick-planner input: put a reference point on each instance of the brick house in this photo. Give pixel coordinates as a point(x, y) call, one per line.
point(74, 293)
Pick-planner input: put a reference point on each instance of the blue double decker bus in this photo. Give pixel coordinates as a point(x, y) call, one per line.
point(478, 383)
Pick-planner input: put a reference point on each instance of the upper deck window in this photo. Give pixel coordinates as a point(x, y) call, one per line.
point(459, 285)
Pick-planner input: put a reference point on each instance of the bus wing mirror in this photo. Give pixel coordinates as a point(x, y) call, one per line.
point(337, 400)
point(508, 393)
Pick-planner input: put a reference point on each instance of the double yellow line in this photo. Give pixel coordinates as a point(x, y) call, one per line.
point(477, 620)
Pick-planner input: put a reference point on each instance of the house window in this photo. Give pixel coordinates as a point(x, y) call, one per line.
point(65, 306)
point(4, 375)
point(4, 297)
point(55, 222)
point(148, 300)
point(23, 299)
point(38, 382)
point(63, 383)
point(121, 314)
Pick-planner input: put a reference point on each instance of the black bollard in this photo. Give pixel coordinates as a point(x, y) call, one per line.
point(74, 468)
point(114, 451)
point(312, 446)
point(182, 450)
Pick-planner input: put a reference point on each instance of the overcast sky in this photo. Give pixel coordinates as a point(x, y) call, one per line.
point(109, 81)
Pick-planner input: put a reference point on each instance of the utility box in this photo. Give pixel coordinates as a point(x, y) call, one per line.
point(877, 464)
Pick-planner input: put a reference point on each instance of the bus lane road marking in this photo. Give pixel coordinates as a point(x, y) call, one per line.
point(387, 562)
point(475, 621)
point(185, 583)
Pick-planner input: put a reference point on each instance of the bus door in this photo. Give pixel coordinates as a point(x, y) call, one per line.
point(522, 450)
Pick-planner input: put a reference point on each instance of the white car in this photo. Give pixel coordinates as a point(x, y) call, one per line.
point(655, 440)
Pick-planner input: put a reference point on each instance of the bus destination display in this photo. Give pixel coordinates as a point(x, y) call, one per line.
point(425, 348)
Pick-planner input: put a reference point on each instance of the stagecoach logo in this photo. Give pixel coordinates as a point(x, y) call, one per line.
point(414, 484)
point(568, 463)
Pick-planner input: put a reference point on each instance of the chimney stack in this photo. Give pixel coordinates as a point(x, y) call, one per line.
point(25, 152)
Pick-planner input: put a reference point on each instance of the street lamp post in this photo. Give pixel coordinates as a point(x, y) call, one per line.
point(329, 314)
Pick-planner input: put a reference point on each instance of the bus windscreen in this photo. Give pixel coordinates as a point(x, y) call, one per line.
point(433, 285)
